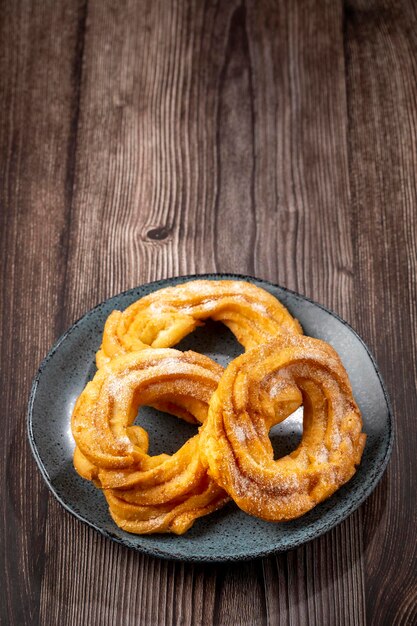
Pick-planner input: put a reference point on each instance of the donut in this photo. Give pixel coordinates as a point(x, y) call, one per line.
point(164, 317)
point(251, 397)
point(147, 494)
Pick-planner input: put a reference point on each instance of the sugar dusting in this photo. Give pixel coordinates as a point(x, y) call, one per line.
point(240, 434)
point(116, 385)
point(322, 454)
point(261, 308)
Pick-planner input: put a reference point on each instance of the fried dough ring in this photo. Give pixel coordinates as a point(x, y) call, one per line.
point(235, 435)
point(147, 494)
point(163, 318)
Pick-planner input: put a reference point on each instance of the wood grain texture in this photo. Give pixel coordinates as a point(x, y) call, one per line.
point(382, 68)
point(146, 139)
point(36, 112)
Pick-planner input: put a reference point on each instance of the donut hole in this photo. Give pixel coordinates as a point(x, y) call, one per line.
point(286, 436)
point(167, 433)
point(214, 340)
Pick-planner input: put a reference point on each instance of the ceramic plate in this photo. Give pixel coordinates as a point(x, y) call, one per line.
point(229, 534)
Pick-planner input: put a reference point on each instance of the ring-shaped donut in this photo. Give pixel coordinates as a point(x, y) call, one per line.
point(247, 403)
point(164, 317)
point(147, 494)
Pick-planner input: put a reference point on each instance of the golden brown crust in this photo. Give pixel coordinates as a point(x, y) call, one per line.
point(164, 317)
point(147, 494)
point(235, 437)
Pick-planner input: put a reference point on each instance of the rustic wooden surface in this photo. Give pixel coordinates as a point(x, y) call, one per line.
point(142, 139)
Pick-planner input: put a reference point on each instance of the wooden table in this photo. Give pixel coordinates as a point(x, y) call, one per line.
point(142, 139)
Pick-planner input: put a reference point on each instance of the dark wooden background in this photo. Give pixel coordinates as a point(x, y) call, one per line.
point(141, 139)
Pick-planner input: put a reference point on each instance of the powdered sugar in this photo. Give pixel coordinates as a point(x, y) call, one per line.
point(240, 434)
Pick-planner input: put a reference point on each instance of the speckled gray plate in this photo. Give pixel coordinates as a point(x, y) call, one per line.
point(229, 534)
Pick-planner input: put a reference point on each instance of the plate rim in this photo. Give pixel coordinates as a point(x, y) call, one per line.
point(170, 555)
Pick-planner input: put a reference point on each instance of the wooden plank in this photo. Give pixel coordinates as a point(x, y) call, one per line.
point(38, 103)
point(303, 240)
point(382, 69)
